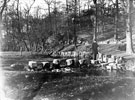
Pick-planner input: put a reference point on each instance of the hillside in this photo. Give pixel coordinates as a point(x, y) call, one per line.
point(106, 45)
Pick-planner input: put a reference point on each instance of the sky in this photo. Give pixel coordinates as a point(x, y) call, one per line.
point(42, 4)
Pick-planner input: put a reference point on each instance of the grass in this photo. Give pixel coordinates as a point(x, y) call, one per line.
point(88, 88)
point(8, 58)
point(56, 86)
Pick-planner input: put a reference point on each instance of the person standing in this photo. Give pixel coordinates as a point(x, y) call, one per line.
point(95, 49)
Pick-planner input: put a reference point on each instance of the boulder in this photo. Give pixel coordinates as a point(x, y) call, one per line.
point(55, 64)
point(130, 64)
point(108, 67)
point(69, 62)
point(111, 60)
point(55, 61)
point(32, 64)
point(100, 57)
point(81, 61)
point(17, 67)
point(105, 58)
point(46, 66)
point(35, 66)
point(39, 66)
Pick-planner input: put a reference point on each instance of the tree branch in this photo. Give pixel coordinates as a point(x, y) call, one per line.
point(3, 6)
point(48, 2)
point(29, 7)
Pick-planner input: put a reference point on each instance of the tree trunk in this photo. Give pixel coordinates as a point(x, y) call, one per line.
point(75, 36)
point(116, 21)
point(1, 12)
point(26, 46)
point(129, 46)
point(95, 25)
point(50, 20)
point(0, 31)
point(67, 5)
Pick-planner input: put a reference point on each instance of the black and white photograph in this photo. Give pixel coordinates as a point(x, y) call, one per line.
point(67, 49)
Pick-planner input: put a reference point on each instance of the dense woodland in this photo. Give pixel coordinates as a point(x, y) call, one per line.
point(62, 23)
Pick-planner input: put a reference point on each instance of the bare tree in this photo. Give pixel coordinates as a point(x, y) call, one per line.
point(116, 19)
point(49, 2)
point(16, 25)
point(95, 30)
point(55, 11)
point(2, 8)
point(129, 46)
point(27, 15)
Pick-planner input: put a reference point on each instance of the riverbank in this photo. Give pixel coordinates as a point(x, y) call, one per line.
point(23, 85)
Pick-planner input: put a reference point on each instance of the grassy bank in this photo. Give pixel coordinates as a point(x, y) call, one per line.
point(40, 86)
